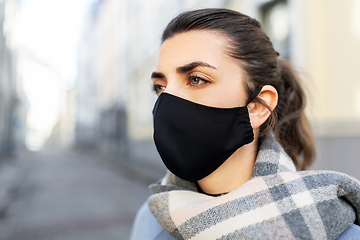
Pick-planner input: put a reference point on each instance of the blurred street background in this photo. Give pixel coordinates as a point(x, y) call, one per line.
point(76, 150)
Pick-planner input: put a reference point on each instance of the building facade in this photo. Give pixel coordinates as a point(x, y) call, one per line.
point(10, 124)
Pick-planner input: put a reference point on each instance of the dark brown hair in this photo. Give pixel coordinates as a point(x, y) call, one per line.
point(249, 44)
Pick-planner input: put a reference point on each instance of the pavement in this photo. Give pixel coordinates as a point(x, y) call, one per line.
point(63, 194)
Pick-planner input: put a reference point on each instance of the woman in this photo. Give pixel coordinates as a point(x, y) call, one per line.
point(229, 124)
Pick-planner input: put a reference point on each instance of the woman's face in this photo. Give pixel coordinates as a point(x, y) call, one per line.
point(194, 66)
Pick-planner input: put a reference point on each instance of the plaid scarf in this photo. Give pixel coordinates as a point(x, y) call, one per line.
point(277, 203)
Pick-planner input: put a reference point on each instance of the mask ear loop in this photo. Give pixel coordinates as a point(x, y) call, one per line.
point(254, 95)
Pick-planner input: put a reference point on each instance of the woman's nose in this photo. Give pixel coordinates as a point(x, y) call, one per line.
point(177, 87)
point(173, 89)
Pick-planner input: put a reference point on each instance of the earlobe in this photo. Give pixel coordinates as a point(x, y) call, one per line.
point(258, 112)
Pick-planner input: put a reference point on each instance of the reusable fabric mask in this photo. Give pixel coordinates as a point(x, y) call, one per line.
point(193, 140)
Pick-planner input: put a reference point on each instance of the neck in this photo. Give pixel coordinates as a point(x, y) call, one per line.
point(234, 172)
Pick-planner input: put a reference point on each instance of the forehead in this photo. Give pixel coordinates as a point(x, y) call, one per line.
point(197, 45)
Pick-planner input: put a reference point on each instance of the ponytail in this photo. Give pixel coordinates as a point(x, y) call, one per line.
point(292, 128)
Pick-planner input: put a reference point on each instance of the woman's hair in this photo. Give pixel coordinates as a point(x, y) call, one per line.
point(249, 44)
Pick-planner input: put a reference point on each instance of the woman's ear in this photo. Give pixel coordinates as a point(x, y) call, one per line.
point(259, 113)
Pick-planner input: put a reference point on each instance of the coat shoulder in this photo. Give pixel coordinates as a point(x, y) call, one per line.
point(352, 233)
point(146, 227)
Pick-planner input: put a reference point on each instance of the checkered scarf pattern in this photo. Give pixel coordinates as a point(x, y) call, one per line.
point(277, 203)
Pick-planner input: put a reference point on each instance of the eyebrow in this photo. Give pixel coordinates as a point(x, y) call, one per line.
point(184, 69)
point(188, 67)
point(157, 75)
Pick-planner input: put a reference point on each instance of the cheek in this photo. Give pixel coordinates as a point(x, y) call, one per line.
point(222, 95)
point(232, 96)
point(231, 87)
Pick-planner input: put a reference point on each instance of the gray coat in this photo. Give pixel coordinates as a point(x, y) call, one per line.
point(146, 227)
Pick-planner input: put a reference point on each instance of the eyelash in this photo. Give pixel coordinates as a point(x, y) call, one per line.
point(189, 78)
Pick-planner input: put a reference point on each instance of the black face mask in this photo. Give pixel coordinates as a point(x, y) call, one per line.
point(193, 140)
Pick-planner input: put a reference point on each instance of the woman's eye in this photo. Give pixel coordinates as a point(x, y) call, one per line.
point(196, 81)
point(158, 88)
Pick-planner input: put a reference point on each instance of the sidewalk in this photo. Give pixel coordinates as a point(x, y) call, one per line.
point(12, 174)
point(70, 195)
